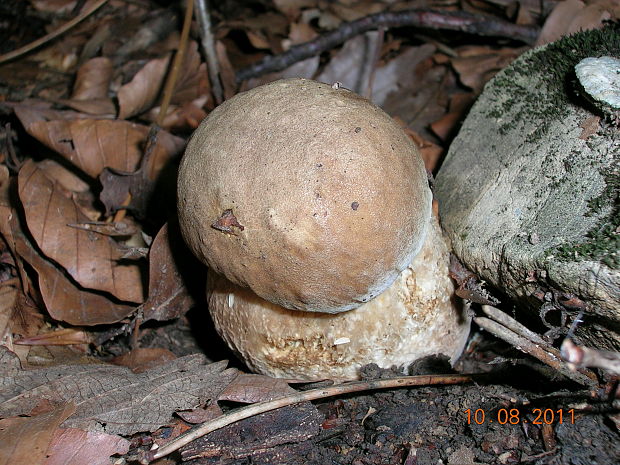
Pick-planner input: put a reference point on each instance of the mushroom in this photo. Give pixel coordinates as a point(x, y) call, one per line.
point(600, 79)
point(309, 195)
point(416, 316)
point(310, 204)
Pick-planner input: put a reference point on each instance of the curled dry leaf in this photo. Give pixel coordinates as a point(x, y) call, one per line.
point(90, 91)
point(168, 297)
point(570, 16)
point(64, 300)
point(24, 441)
point(477, 64)
point(251, 388)
point(93, 79)
point(142, 359)
point(90, 258)
point(184, 118)
point(193, 81)
point(111, 398)
point(139, 94)
point(73, 446)
point(92, 144)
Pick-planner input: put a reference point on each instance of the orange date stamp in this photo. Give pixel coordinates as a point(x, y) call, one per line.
point(514, 416)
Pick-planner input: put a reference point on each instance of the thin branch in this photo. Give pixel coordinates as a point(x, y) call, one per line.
point(177, 63)
point(583, 377)
point(261, 407)
point(512, 324)
point(580, 356)
point(420, 18)
point(208, 44)
point(52, 35)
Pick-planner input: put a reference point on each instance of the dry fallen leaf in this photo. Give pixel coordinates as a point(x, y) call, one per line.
point(110, 398)
point(92, 144)
point(476, 64)
point(256, 435)
point(73, 446)
point(168, 297)
point(63, 299)
point(251, 388)
point(92, 80)
point(24, 441)
point(90, 91)
point(90, 258)
point(139, 94)
point(570, 16)
point(142, 359)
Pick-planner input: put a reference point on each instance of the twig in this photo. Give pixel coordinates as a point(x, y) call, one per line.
point(421, 18)
point(52, 35)
point(208, 44)
point(535, 350)
point(176, 65)
point(512, 324)
point(579, 356)
point(261, 407)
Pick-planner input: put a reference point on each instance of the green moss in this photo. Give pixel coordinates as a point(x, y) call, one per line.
point(602, 243)
point(553, 67)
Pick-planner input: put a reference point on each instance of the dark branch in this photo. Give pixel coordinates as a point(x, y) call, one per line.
point(428, 19)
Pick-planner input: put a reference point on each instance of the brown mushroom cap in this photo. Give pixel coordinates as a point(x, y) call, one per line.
point(311, 196)
point(415, 317)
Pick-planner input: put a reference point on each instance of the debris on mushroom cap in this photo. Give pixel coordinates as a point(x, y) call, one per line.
point(415, 317)
point(310, 195)
point(600, 78)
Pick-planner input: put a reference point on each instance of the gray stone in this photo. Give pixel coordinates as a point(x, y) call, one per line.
point(529, 197)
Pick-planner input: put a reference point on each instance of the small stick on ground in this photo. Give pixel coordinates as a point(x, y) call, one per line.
point(177, 63)
point(420, 18)
point(261, 407)
point(52, 35)
point(536, 350)
point(579, 357)
point(208, 44)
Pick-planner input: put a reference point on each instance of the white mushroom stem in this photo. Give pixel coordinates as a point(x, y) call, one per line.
point(415, 317)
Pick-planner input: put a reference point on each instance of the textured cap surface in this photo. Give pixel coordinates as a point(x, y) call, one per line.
point(311, 196)
point(417, 316)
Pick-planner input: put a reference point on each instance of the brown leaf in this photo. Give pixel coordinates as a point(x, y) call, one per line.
point(168, 297)
point(112, 397)
point(103, 107)
point(193, 82)
point(200, 415)
point(589, 126)
point(300, 33)
point(90, 258)
point(8, 297)
point(184, 118)
point(92, 144)
point(139, 94)
point(447, 126)
point(142, 359)
point(77, 447)
point(63, 299)
point(477, 64)
point(572, 16)
point(93, 79)
point(249, 388)
point(24, 441)
point(227, 72)
point(469, 286)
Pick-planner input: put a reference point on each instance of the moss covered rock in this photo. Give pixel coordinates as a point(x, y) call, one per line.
point(529, 189)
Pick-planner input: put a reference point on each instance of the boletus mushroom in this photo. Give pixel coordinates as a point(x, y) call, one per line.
point(305, 201)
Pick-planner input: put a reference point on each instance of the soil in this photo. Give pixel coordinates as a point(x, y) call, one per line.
point(518, 413)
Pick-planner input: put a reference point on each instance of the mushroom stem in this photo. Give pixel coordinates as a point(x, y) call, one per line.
point(417, 316)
